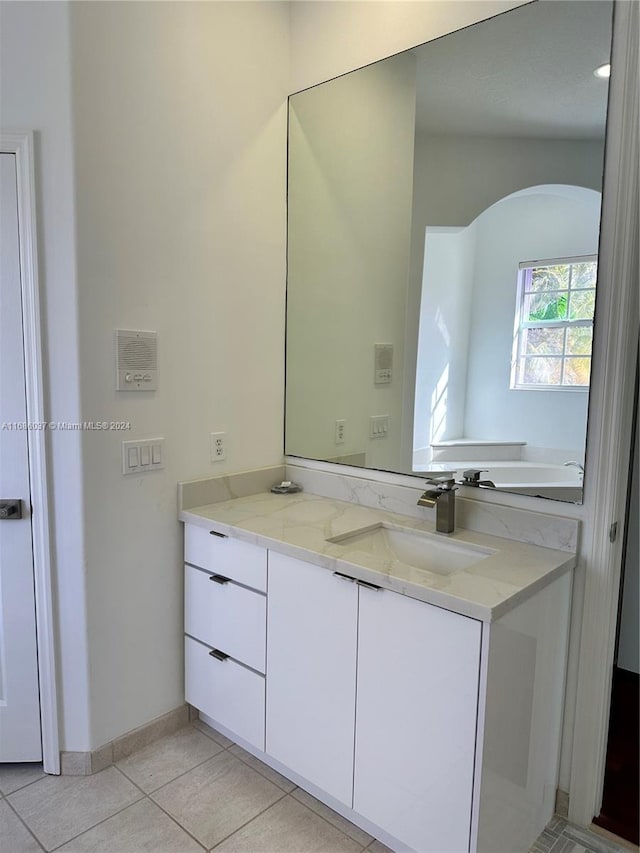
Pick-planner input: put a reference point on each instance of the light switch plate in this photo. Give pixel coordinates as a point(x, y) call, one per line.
point(378, 426)
point(142, 455)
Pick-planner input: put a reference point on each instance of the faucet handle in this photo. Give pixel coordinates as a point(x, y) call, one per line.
point(444, 480)
point(472, 475)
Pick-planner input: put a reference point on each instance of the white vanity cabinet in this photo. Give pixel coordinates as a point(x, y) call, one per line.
point(416, 713)
point(225, 628)
point(434, 731)
point(311, 686)
point(348, 662)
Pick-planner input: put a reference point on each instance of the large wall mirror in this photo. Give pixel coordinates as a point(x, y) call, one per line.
point(444, 214)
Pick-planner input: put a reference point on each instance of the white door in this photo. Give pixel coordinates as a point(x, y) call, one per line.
point(418, 672)
point(311, 673)
point(20, 737)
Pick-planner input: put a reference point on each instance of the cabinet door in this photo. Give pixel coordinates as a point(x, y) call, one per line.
point(311, 673)
point(418, 672)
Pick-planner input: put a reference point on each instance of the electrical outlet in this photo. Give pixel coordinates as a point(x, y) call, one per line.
point(341, 426)
point(218, 446)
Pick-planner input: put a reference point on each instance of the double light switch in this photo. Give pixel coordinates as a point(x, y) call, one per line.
point(141, 456)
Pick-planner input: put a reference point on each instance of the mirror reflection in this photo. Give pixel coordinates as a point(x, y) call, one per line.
point(444, 209)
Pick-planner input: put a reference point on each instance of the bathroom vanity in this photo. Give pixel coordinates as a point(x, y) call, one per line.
point(410, 681)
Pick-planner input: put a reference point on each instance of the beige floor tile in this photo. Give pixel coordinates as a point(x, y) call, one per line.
point(14, 836)
point(141, 828)
point(217, 798)
point(14, 776)
point(57, 808)
point(262, 768)
point(288, 827)
point(165, 759)
point(223, 740)
point(341, 823)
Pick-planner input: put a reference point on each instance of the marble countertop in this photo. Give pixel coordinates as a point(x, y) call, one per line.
point(299, 526)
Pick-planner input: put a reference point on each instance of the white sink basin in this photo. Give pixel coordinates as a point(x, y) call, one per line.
point(415, 548)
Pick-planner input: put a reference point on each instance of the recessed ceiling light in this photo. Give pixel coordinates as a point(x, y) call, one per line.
point(603, 71)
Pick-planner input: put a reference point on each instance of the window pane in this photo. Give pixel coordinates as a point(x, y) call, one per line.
point(540, 371)
point(582, 305)
point(579, 340)
point(545, 306)
point(550, 278)
point(577, 371)
point(544, 342)
point(584, 275)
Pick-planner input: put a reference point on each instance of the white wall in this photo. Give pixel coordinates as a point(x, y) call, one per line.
point(443, 341)
point(457, 177)
point(350, 183)
point(330, 38)
point(180, 134)
point(35, 95)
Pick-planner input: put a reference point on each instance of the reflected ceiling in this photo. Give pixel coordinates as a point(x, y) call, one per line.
point(458, 91)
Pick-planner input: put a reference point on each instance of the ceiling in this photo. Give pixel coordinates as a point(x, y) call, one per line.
point(525, 73)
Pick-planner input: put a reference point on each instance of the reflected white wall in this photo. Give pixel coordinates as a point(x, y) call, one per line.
point(350, 196)
point(544, 223)
point(472, 273)
point(443, 343)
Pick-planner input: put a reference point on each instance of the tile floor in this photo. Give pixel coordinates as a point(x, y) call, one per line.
point(560, 836)
point(190, 791)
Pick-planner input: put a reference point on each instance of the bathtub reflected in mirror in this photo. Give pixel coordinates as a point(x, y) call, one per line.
point(505, 328)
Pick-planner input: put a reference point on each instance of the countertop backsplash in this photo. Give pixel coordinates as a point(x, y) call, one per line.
point(536, 528)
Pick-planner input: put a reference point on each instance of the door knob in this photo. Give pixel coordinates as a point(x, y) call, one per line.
point(10, 509)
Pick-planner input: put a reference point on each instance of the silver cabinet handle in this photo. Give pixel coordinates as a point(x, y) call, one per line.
point(219, 579)
point(354, 580)
point(218, 655)
point(369, 585)
point(345, 577)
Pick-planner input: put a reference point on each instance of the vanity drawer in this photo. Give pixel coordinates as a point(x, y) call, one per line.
point(226, 616)
point(226, 691)
point(223, 555)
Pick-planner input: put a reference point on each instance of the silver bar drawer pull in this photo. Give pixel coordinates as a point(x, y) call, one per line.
point(344, 577)
point(219, 579)
point(219, 535)
point(218, 655)
point(369, 585)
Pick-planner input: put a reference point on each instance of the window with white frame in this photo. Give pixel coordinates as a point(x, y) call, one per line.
point(554, 323)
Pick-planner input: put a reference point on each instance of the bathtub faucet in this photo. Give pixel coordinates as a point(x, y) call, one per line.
point(471, 477)
point(575, 464)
